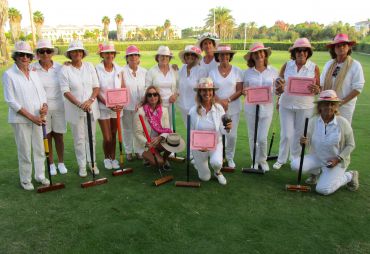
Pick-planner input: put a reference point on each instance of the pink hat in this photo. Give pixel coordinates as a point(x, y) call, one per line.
point(257, 46)
point(106, 47)
point(190, 49)
point(328, 95)
point(205, 83)
point(132, 50)
point(22, 47)
point(340, 38)
point(226, 49)
point(301, 43)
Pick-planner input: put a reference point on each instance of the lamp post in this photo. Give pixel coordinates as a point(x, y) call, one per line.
point(245, 36)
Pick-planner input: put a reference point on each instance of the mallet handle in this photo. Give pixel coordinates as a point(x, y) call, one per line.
point(119, 137)
point(187, 146)
point(255, 133)
point(46, 147)
point(302, 152)
point(89, 133)
point(271, 142)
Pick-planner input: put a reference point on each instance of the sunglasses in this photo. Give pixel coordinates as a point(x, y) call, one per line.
point(299, 50)
point(43, 51)
point(190, 54)
point(25, 55)
point(149, 95)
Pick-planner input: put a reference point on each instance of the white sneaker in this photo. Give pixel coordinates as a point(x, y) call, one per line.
point(27, 186)
point(265, 166)
point(82, 172)
point(96, 170)
point(44, 181)
point(53, 170)
point(354, 184)
point(62, 168)
point(115, 164)
point(277, 165)
point(231, 163)
point(108, 164)
point(221, 179)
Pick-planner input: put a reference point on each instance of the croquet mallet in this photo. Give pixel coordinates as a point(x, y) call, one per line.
point(176, 158)
point(269, 156)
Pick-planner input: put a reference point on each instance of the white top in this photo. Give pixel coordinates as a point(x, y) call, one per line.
point(49, 79)
point(208, 67)
point(107, 80)
point(80, 82)
point(254, 78)
point(166, 83)
point(354, 80)
point(135, 85)
point(227, 86)
point(20, 92)
point(293, 101)
point(187, 84)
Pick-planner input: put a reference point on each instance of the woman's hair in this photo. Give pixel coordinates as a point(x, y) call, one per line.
point(218, 54)
point(251, 62)
point(318, 107)
point(199, 100)
point(16, 54)
point(145, 99)
point(69, 54)
point(334, 55)
point(292, 53)
point(131, 55)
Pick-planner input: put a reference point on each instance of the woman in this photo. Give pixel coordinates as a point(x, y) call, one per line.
point(109, 78)
point(259, 74)
point(56, 126)
point(331, 142)
point(343, 74)
point(294, 109)
point(207, 115)
point(164, 77)
point(134, 79)
point(157, 123)
point(229, 80)
point(208, 43)
point(26, 98)
point(189, 77)
point(80, 87)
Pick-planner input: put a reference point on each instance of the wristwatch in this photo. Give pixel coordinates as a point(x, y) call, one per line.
point(91, 99)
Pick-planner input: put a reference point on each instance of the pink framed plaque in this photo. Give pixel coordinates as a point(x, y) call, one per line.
point(203, 140)
point(259, 95)
point(300, 86)
point(116, 97)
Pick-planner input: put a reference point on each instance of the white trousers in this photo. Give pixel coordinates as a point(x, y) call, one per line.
point(201, 162)
point(330, 180)
point(81, 141)
point(230, 139)
point(347, 112)
point(262, 133)
point(184, 115)
point(291, 129)
point(28, 137)
point(129, 138)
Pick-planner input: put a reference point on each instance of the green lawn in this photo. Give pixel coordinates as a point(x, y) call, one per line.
point(252, 214)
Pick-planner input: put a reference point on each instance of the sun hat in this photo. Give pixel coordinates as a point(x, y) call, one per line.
point(173, 143)
point(106, 47)
point(75, 45)
point(301, 43)
point(190, 49)
point(44, 43)
point(226, 49)
point(328, 95)
point(340, 38)
point(22, 47)
point(210, 36)
point(257, 46)
point(205, 83)
point(132, 50)
point(163, 51)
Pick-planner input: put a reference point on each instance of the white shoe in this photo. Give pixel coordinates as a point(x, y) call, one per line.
point(277, 165)
point(265, 166)
point(115, 164)
point(53, 170)
point(82, 172)
point(27, 186)
point(221, 179)
point(192, 161)
point(44, 181)
point(231, 163)
point(108, 164)
point(354, 184)
point(96, 170)
point(62, 168)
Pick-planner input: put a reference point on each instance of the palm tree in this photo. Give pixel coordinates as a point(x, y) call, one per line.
point(159, 32)
point(38, 18)
point(3, 18)
point(15, 18)
point(224, 22)
point(166, 27)
point(119, 20)
point(106, 21)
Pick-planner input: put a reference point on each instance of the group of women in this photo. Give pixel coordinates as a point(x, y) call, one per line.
point(207, 88)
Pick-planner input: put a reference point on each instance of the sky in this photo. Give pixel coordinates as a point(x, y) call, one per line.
point(192, 13)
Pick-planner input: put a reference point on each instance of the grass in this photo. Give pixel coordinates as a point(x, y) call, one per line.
point(252, 214)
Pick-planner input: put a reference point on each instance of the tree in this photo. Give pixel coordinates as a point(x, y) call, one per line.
point(38, 18)
point(166, 27)
point(106, 21)
point(252, 30)
point(159, 32)
point(15, 18)
point(224, 22)
point(119, 21)
point(3, 42)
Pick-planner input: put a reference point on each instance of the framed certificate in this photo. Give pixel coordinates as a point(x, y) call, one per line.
point(300, 86)
point(259, 95)
point(203, 140)
point(116, 97)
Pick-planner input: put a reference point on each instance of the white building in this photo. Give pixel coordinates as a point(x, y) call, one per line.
point(363, 27)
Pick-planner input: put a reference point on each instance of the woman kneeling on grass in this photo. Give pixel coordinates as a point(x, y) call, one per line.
point(331, 142)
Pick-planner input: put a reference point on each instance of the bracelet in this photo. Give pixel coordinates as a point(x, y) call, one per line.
point(91, 99)
point(228, 100)
point(339, 158)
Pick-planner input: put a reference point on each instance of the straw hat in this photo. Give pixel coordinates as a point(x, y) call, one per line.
point(22, 47)
point(75, 45)
point(190, 49)
point(257, 46)
point(210, 36)
point(205, 83)
point(132, 50)
point(328, 95)
point(173, 143)
point(301, 43)
point(44, 44)
point(106, 47)
point(163, 51)
point(340, 38)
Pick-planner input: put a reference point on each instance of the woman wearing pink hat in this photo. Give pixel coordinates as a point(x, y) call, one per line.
point(343, 74)
point(26, 98)
point(208, 42)
point(229, 80)
point(259, 74)
point(331, 142)
point(294, 109)
point(109, 78)
point(134, 78)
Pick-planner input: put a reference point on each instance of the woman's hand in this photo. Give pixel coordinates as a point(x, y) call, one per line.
point(154, 143)
point(245, 92)
point(117, 108)
point(173, 98)
point(38, 120)
point(204, 150)
point(303, 140)
point(332, 163)
point(86, 105)
point(279, 86)
point(44, 110)
point(228, 126)
point(314, 89)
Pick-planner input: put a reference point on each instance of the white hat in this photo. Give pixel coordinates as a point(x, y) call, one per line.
point(210, 36)
point(105, 47)
point(163, 51)
point(328, 95)
point(75, 45)
point(173, 143)
point(205, 83)
point(44, 43)
point(22, 47)
point(190, 49)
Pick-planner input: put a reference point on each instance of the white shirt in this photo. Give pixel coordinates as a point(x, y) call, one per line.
point(135, 85)
point(293, 101)
point(166, 83)
point(80, 82)
point(20, 92)
point(187, 84)
point(227, 86)
point(254, 78)
point(49, 79)
point(208, 67)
